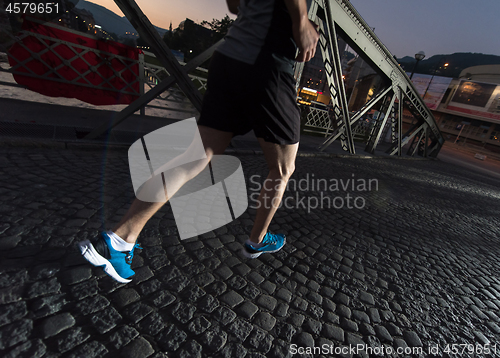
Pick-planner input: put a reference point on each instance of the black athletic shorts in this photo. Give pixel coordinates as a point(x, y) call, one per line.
point(241, 97)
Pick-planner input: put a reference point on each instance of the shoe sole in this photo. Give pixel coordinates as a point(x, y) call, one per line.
point(257, 254)
point(91, 255)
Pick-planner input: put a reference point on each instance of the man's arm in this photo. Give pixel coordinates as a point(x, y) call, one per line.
point(304, 32)
point(233, 6)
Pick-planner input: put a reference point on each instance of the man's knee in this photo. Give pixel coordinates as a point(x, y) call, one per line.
point(284, 172)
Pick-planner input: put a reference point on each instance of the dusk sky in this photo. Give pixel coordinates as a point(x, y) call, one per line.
point(404, 26)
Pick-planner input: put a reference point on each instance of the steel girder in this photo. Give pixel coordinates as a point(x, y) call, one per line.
point(339, 17)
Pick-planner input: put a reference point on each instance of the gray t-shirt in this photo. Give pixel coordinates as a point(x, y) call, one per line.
point(261, 26)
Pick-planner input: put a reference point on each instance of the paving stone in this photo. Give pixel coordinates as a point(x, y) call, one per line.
point(236, 282)
point(149, 287)
point(125, 296)
point(70, 339)
point(251, 292)
point(15, 332)
point(183, 312)
point(312, 326)
point(267, 302)
point(44, 287)
point(285, 331)
point(233, 350)
point(208, 303)
point(265, 321)
point(353, 340)
point(9, 242)
point(367, 329)
point(412, 339)
point(314, 297)
point(171, 338)
point(138, 348)
point(85, 289)
point(260, 340)
point(332, 331)
point(191, 349)
point(360, 316)
point(31, 349)
point(44, 306)
point(12, 312)
point(348, 325)
point(341, 298)
point(137, 311)
point(383, 334)
point(240, 329)
point(304, 339)
point(493, 327)
point(199, 325)
point(247, 309)
point(281, 310)
point(105, 320)
point(393, 329)
point(296, 319)
point(366, 298)
point(92, 349)
point(255, 277)
point(268, 286)
point(122, 336)
point(224, 315)
point(56, 324)
point(224, 272)
point(142, 274)
point(152, 324)
point(343, 311)
point(162, 299)
point(76, 275)
point(284, 295)
point(192, 294)
point(374, 315)
point(478, 313)
point(231, 298)
point(214, 339)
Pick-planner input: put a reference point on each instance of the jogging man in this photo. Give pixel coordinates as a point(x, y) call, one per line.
point(250, 87)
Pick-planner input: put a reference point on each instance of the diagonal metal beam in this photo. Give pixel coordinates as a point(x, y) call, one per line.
point(149, 34)
point(369, 105)
point(152, 94)
point(371, 148)
point(337, 74)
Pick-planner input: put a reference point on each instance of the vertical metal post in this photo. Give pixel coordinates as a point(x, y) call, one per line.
point(142, 81)
point(426, 134)
point(400, 120)
point(373, 144)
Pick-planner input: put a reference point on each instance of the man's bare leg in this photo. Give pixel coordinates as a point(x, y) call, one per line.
point(132, 223)
point(281, 162)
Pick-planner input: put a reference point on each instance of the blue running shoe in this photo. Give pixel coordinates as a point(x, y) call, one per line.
point(272, 243)
point(115, 263)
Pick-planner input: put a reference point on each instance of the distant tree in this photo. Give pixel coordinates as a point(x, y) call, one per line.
point(219, 27)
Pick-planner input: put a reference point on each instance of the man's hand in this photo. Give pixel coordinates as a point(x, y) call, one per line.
point(305, 33)
point(306, 37)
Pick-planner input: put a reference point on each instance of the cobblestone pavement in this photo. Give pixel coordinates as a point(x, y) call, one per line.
point(415, 266)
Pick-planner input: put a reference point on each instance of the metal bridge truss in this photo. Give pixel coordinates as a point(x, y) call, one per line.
point(338, 18)
point(335, 18)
